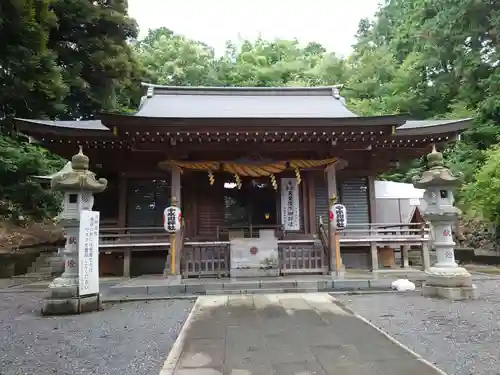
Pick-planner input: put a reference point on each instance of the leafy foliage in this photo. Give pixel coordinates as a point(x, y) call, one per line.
point(483, 193)
point(20, 194)
point(60, 59)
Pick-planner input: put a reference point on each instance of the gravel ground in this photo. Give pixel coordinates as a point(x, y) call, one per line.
point(461, 338)
point(129, 338)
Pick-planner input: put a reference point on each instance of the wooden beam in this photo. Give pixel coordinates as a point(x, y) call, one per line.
point(311, 197)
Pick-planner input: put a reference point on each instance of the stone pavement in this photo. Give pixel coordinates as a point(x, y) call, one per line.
point(285, 334)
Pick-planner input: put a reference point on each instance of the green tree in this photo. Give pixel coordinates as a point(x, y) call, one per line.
point(31, 84)
point(482, 193)
point(171, 59)
point(279, 63)
point(91, 41)
point(58, 59)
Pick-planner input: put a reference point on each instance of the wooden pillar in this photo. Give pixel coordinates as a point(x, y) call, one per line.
point(127, 255)
point(404, 256)
point(176, 201)
point(373, 220)
point(374, 254)
point(176, 239)
point(371, 199)
point(331, 183)
point(426, 261)
point(176, 185)
point(311, 197)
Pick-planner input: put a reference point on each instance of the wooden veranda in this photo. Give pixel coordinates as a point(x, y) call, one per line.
point(296, 256)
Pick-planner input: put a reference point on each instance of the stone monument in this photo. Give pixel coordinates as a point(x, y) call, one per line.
point(78, 184)
point(445, 278)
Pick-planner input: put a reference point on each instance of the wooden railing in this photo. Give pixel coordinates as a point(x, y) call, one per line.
point(385, 233)
point(301, 256)
point(354, 234)
point(205, 259)
point(133, 237)
point(225, 232)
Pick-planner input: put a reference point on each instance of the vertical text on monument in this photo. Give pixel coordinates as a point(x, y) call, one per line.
point(88, 253)
point(290, 204)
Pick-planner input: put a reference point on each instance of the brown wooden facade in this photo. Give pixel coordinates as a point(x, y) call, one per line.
point(181, 136)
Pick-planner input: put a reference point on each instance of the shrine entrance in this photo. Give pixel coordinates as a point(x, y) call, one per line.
point(253, 204)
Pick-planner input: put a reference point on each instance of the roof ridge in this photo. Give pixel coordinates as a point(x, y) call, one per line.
point(332, 91)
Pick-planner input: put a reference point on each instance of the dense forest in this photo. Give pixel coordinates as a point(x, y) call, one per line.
point(69, 59)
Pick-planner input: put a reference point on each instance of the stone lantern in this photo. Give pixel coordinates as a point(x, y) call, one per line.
point(445, 278)
point(78, 184)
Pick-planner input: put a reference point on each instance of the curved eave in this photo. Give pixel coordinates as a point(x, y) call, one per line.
point(131, 122)
point(85, 128)
point(433, 127)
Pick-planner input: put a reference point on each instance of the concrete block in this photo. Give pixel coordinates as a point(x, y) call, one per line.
point(61, 306)
point(323, 285)
point(307, 284)
point(278, 284)
point(222, 292)
point(241, 285)
point(63, 292)
point(351, 284)
point(166, 290)
point(254, 272)
point(451, 293)
point(197, 289)
point(380, 284)
point(127, 290)
point(89, 304)
point(52, 306)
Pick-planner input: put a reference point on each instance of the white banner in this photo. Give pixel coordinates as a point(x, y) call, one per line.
point(290, 204)
point(88, 253)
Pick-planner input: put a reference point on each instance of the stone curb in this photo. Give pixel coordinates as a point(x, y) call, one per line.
point(146, 297)
point(124, 299)
point(247, 287)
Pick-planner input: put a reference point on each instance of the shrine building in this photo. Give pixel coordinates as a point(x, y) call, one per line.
point(243, 164)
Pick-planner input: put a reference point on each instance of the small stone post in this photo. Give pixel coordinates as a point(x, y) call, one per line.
point(445, 278)
point(78, 185)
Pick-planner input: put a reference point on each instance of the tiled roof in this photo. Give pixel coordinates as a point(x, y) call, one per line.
point(243, 102)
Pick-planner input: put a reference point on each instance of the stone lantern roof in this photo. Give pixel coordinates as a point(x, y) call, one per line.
point(78, 178)
point(437, 174)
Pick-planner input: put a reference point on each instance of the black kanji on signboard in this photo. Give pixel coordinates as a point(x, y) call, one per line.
point(339, 215)
point(171, 219)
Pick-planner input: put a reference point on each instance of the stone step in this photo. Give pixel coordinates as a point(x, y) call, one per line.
point(33, 276)
point(47, 260)
point(42, 263)
point(249, 287)
point(45, 270)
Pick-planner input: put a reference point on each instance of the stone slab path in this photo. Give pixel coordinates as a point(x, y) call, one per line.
point(285, 334)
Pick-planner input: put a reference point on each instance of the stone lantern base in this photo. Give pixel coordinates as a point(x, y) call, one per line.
point(454, 283)
point(65, 300)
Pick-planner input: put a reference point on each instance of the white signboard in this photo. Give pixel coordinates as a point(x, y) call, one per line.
point(88, 252)
point(339, 216)
point(172, 219)
point(290, 204)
